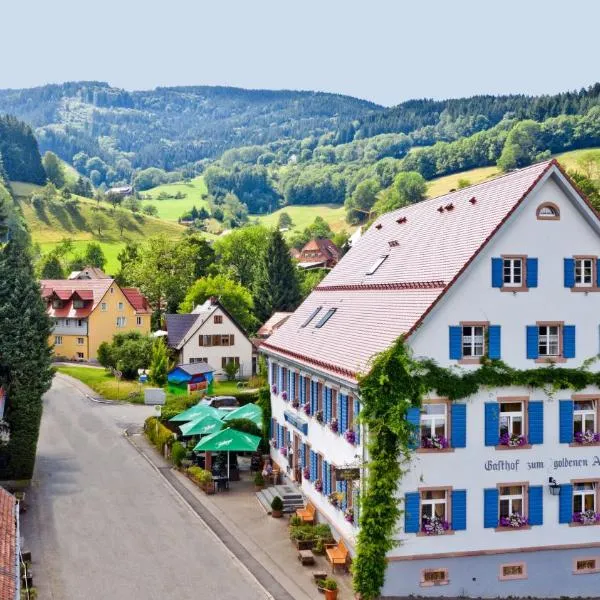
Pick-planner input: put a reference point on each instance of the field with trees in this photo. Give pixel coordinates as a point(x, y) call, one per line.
point(173, 200)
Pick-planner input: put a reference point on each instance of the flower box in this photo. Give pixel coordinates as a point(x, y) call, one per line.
point(512, 440)
point(335, 499)
point(283, 451)
point(514, 521)
point(333, 425)
point(306, 408)
point(318, 485)
point(284, 395)
point(434, 526)
point(319, 416)
point(436, 442)
point(306, 473)
point(588, 517)
point(350, 436)
point(274, 389)
point(349, 515)
point(295, 403)
point(589, 437)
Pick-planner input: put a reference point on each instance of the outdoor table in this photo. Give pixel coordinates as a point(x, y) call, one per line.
point(306, 557)
point(221, 482)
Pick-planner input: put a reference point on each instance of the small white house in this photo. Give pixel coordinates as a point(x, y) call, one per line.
point(211, 335)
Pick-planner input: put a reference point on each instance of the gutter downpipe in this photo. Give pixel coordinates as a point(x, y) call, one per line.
point(17, 553)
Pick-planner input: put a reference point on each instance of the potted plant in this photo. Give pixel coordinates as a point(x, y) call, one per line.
point(587, 437)
point(514, 520)
point(350, 436)
point(319, 547)
point(277, 507)
point(306, 473)
point(306, 408)
point(295, 403)
point(512, 440)
point(284, 395)
point(331, 588)
point(274, 389)
point(319, 416)
point(318, 485)
point(259, 482)
point(295, 521)
point(333, 425)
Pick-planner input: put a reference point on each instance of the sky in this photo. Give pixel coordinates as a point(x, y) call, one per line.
point(386, 51)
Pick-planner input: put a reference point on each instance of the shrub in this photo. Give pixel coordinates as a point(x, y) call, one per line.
point(178, 453)
point(329, 584)
point(259, 480)
point(295, 521)
point(277, 503)
point(201, 476)
point(105, 355)
point(157, 433)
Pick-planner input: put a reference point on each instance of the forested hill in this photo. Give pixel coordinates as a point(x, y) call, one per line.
point(172, 127)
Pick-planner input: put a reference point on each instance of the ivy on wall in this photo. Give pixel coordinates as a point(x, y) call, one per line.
point(396, 382)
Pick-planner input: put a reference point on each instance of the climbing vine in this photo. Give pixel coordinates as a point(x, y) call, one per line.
point(396, 383)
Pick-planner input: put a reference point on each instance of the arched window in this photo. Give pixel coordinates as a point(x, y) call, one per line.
point(548, 211)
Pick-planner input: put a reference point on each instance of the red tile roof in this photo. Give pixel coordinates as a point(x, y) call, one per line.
point(8, 546)
point(275, 321)
point(434, 247)
point(137, 300)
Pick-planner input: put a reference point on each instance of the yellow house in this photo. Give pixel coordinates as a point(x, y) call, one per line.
point(87, 312)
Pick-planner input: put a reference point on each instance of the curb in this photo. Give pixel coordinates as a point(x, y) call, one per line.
point(263, 578)
point(82, 389)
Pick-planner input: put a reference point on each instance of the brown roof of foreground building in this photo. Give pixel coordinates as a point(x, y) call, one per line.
point(426, 247)
point(89, 273)
point(8, 546)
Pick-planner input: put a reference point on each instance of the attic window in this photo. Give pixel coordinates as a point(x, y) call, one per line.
point(377, 264)
point(393, 243)
point(473, 200)
point(548, 212)
point(325, 318)
point(313, 314)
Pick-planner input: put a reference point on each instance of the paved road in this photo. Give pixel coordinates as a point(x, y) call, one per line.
point(103, 524)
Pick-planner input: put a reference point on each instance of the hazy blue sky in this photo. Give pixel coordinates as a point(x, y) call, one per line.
point(383, 50)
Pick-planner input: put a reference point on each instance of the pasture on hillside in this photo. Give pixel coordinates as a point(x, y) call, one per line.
point(171, 209)
point(303, 216)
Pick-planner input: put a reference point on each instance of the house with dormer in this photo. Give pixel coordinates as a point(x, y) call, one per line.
point(501, 494)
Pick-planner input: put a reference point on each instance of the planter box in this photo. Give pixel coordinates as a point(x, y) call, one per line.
point(304, 544)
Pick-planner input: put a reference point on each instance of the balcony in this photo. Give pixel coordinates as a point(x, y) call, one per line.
point(70, 327)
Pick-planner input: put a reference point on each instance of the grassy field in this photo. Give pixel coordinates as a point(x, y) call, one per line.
point(104, 383)
point(172, 209)
point(303, 216)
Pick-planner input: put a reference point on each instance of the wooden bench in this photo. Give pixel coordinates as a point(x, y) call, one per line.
point(337, 554)
point(308, 513)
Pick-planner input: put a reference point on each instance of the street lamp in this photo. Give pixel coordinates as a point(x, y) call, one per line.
point(554, 487)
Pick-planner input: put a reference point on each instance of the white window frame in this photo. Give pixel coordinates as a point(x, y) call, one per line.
point(429, 421)
point(433, 503)
point(103, 306)
point(586, 415)
point(58, 340)
point(121, 321)
point(473, 341)
point(120, 306)
point(80, 341)
point(548, 339)
point(581, 494)
point(378, 262)
point(511, 417)
point(584, 270)
point(512, 271)
point(511, 499)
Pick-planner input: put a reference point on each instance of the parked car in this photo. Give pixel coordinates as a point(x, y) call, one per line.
point(222, 402)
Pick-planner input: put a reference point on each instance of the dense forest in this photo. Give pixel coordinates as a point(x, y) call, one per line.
point(19, 153)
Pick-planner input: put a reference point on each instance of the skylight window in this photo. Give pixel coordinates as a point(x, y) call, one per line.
point(325, 318)
point(313, 314)
point(377, 264)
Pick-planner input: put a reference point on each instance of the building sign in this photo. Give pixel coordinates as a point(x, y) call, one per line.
point(297, 422)
point(549, 464)
point(347, 474)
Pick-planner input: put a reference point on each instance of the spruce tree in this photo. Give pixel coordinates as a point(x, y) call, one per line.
point(25, 356)
point(276, 286)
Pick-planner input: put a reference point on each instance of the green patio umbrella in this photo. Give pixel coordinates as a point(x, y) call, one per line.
point(194, 413)
point(252, 412)
point(203, 426)
point(228, 440)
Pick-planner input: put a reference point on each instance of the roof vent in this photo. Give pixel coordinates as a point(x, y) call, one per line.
point(378, 226)
point(393, 243)
point(449, 206)
point(401, 220)
point(440, 209)
point(473, 200)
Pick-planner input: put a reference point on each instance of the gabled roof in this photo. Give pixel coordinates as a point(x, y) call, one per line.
point(89, 273)
point(177, 327)
point(8, 545)
point(194, 368)
point(274, 322)
point(136, 299)
point(426, 247)
point(325, 246)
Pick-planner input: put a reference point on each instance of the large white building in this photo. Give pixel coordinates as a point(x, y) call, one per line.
point(506, 269)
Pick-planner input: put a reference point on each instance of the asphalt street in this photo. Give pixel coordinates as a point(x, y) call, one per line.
point(101, 523)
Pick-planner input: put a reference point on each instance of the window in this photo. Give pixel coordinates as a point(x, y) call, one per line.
point(80, 322)
point(548, 212)
point(67, 322)
point(202, 359)
point(513, 571)
point(380, 260)
point(434, 418)
point(112, 290)
point(584, 500)
point(584, 272)
point(80, 341)
point(512, 419)
point(138, 320)
point(218, 319)
point(224, 340)
point(431, 577)
point(80, 355)
point(512, 272)
point(225, 360)
point(56, 303)
point(58, 340)
point(585, 565)
point(103, 307)
point(121, 321)
point(473, 341)
point(120, 306)
point(585, 413)
point(434, 509)
point(77, 303)
point(312, 315)
point(511, 503)
point(549, 340)
point(325, 317)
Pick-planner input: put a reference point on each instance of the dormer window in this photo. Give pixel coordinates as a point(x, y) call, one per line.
point(57, 303)
point(380, 260)
point(77, 303)
point(548, 212)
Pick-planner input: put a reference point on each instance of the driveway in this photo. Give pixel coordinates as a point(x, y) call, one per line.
point(102, 523)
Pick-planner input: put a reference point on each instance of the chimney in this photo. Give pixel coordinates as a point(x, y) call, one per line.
point(213, 300)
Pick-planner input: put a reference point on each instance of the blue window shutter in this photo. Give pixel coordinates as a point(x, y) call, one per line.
point(329, 405)
point(459, 510)
point(490, 507)
point(325, 478)
point(532, 341)
point(536, 505)
point(302, 452)
point(312, 466)
point(565, 421)
point(492, 423)
point(598, 272)
point(565, 503)
point(569, 341)
point(413, 416)
point(356, 413)
point(343, 404)
point(569, 272)
point(301, 384)
point(313, 398)
point(532, 272)
point(497, 272)
point(412, 500)
point(536, 422)
point(280, 385)
point(458, 417)
point(494, 342)
point(455, 342)
point(344, 490)
point(325, 405)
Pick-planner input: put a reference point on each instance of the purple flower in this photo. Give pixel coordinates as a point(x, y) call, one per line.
point(587, 437)
point(283, 451)
point(349, 515)
point(306, 473)
point(306, 408)
point(274, 389)
point(284, 395)
point(350, 436)
point(588, 517)
point(438, 442)
point(434, 526)
point(513, 440)
point(333, 425)
point(514, 520)
point(318, 485)
point(319, 416)
point(295, 403)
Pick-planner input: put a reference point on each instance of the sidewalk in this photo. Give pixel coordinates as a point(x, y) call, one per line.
point(260, 542)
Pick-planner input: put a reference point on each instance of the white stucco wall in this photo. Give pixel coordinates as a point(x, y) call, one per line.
point(242, 346)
